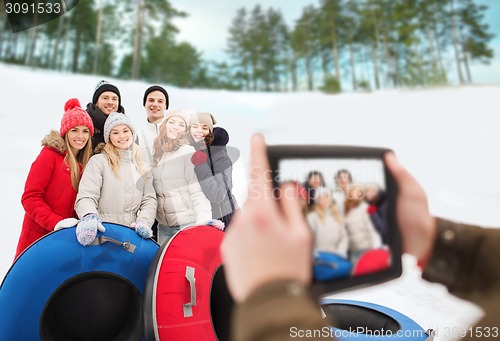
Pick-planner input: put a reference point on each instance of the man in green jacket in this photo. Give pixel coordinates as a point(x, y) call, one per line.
point(267, 257)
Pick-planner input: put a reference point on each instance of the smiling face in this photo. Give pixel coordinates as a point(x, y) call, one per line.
point(108, 102)
point(198, 131)
point(324, 200)
point(175, 127)
point(78, 138)
point(121, 137)
point(315, 181)
point(343, 180)
point(156, 104)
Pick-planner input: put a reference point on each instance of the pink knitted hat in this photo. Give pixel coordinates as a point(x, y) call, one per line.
point(75, 116)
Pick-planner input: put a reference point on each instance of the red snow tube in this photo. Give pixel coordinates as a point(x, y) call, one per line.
point(185, 297)
point(372, 261)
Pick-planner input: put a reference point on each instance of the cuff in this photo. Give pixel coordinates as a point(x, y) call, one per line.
point(454, 258)
point(274, 310)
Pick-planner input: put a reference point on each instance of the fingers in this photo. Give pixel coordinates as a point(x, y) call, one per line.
point(401, 175)
point(260, 180)
point(100, 227)
point(290, 206)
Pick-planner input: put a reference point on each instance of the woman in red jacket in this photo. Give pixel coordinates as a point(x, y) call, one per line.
point(50, 190)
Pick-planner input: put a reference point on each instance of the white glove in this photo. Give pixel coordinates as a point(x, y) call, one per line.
point(65, 223)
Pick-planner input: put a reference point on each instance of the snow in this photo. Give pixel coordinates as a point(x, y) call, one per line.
point(447, 137)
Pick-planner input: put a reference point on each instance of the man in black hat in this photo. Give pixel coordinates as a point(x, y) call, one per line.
point(106, 100)
point(155, 102)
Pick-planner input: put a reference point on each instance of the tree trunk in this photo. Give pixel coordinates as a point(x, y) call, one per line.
point(136, 61)
point(375, 64)
point(65, 42)
point(294, 73)
point(324, 65)
point(374, 48)
point(396, 68)
point(55, 51)
point(455, 41)
point(309, 73)
point(335, 51)
point(435, 74)
point(32, 46)
point(351, 57)
point(439, 55)
point(388, 55)
point(95, 67)
point(76, 52)
point(2, 30)
point(464, 54)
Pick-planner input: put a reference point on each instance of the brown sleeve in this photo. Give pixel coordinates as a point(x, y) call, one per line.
point(281, 310)
point(465, 260)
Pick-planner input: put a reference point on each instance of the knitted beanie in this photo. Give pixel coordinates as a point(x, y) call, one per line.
point(184, 114)
point(155, 88)
point(104, 86)
point(204, 118)
point(75, 116)
point(115, 119)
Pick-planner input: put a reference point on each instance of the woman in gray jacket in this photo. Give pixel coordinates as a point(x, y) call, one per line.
point(115, 186)
point(181, 202)
point(212, 165)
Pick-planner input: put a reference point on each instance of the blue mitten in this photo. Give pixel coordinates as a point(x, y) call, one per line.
point(142, 229)
point(87, 228)
point(219, 225)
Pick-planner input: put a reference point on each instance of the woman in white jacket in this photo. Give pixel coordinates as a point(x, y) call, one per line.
point(115, 186)
point(328, 230)
point(362, 233)
point(181, 201)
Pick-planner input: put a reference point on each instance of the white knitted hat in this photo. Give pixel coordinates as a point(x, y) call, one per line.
point(115, 119)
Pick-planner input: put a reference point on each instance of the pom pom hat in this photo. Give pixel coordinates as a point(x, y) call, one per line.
point(75, 116)
point(104, 86)
point(115, 119)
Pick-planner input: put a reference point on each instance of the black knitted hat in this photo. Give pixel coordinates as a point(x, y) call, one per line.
point(155, 88)
point(104, 86)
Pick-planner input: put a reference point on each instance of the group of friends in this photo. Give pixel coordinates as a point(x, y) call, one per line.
point(173, 173)
point(267, 252)
point(347, 220)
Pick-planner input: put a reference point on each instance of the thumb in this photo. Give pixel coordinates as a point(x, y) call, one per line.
point(100, 227)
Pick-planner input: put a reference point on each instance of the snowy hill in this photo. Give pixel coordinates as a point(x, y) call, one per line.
point(448, 138)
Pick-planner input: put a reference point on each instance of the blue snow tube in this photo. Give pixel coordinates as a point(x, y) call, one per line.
point(60, 290)
point(356, 320)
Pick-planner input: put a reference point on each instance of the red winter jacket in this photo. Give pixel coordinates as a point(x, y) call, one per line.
point(48, 194)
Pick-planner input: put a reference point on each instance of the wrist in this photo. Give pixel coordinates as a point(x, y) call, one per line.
point(428, 247)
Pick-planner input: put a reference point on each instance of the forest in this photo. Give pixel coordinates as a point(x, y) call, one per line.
point(334, 46)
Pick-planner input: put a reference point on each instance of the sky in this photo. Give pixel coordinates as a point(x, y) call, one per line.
point(207, 25)
point(446, 137)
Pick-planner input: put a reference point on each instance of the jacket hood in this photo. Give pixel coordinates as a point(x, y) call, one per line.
point(54, 141)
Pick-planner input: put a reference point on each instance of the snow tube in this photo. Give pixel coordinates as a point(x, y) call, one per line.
point(367, 321)
point(185, 297)
point(372, 261)
point(329, 266)
point(60, 290)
